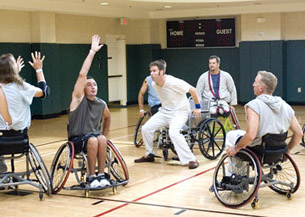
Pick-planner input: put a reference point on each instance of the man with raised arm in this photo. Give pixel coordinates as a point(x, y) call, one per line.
point(86, 113)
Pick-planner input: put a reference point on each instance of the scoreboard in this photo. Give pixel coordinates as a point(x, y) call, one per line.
point(201, 33)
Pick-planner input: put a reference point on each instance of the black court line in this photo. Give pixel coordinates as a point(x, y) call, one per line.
point(100, 200)
point(181, 211)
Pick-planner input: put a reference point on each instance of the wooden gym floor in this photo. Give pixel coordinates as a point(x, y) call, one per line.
point(155, 189)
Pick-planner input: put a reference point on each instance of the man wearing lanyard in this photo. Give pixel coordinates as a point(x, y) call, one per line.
point(218, 87)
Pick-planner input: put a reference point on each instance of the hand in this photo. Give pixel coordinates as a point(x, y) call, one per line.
point(142, 113)
point(20, 63)
point(231, 151)
point(37, 60)
point(95, 44)
point(197, 113)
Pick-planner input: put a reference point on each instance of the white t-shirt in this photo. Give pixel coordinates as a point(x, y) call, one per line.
point(19, 98)
point(173, 94)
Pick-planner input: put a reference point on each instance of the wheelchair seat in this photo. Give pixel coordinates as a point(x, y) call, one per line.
point(16, 142)
point(272, 148)
point(13, 142)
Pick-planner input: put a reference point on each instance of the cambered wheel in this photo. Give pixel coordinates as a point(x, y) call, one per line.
point(118, 167)
point(286, 172)
point(137, 140)
point(39, 169)
point(211, 138)
point(61, 166)
point(236, 180)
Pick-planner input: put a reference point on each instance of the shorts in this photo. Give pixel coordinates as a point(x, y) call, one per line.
point(80, 142)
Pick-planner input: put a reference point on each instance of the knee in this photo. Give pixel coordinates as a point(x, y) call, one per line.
point(92, 142)
point(102, 140)
point(145, 129)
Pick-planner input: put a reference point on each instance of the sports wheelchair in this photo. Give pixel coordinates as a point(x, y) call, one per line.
point(14, 145)
point(236, 180)
point(67, 161)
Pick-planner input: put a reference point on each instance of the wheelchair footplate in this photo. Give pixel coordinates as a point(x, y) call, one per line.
point(86, 186)
point(235, 183)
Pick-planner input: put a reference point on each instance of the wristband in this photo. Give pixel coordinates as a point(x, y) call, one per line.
point(39, 70)
point(197, 106)
point(92, 51)
point(141, 110)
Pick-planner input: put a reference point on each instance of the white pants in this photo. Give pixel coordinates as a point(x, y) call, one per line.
point(175, 121)
point(220, 107)
point(235, 166)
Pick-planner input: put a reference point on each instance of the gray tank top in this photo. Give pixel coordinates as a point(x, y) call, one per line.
point(86, 118)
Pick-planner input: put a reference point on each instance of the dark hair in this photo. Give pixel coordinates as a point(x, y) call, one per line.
point(159, 64)
point(8, 70)
point(215, 57)
point(90, 77)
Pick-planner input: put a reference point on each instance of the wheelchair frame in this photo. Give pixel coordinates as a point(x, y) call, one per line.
point(63, 165)
point(237, 183)
point(12, 179)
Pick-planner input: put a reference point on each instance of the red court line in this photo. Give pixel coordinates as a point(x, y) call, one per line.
point(152, 193)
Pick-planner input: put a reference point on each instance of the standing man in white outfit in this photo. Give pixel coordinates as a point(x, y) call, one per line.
point(217, 86)
point(174, 113)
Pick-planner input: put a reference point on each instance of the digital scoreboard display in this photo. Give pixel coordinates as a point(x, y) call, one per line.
point(201, 33)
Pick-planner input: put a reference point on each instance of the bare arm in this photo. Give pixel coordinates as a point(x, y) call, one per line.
point(297, 134)
point(251, 132)
point(106, 121)
point(37, 64)
point(78, 92)
point(141, 97)
point(193, 92)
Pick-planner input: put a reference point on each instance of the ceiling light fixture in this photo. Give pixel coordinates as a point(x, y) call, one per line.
point(167, 6)
point(104, 3)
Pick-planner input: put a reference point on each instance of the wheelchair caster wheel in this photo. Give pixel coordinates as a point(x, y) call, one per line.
point(40, 196)
point(115, 190)
point(165, 154)
point(289, 196)
point(211, 189)
point(86, 193)
point(254, 204)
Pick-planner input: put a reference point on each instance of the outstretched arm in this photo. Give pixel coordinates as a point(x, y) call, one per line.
point(78, 92)
point(141, 97)
point(43, 90)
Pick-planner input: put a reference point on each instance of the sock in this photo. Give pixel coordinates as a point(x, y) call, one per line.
point(101, 174)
